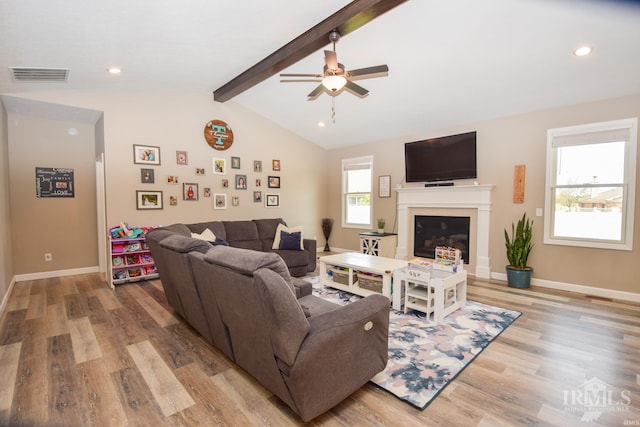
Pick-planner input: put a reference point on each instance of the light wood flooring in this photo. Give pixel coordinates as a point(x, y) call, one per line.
point(73, 352)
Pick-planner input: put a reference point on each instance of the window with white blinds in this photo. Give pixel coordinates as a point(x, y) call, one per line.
point(590, 185)
point(356, 192)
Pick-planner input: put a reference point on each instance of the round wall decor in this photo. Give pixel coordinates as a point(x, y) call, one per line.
point(218, 135)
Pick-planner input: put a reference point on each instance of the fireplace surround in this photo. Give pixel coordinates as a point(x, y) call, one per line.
point(473, 201)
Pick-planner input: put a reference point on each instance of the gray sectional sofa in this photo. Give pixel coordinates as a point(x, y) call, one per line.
point(309, 352)
point(257, 235)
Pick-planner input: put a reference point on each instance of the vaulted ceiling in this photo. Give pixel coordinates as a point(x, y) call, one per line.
point(450, 62)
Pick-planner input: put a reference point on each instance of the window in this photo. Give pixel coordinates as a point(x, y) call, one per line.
point(590, 188)
point(356, 192)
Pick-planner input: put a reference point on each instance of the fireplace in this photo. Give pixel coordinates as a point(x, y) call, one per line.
point(473, 201)
point(431, 231)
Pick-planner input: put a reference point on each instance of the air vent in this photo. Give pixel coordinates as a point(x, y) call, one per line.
point(45, 75)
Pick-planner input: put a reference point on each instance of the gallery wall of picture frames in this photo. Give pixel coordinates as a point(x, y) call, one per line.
point(221, 181)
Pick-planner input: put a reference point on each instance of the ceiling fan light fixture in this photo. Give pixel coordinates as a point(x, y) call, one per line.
point(334, 83)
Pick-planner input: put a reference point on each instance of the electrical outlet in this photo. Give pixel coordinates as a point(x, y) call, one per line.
point(48, 257)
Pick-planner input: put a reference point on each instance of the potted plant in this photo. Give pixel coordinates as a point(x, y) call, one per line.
point(518, 249)
point(381, 223)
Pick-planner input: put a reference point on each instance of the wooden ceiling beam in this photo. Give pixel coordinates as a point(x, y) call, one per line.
point(348, 19)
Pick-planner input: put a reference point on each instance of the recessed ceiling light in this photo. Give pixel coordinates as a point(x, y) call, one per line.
point(582, 51)
point(114, 70)
point(321, 124)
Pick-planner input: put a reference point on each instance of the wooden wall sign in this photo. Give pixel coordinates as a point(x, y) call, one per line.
point(218, 135)
point(518, 183)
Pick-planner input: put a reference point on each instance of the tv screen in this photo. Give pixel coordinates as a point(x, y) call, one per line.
point(441, 159)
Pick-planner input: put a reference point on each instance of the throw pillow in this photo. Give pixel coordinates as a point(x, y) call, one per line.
point(205, 235)
point(290, 241)
point(281, 228)
point(219, 242)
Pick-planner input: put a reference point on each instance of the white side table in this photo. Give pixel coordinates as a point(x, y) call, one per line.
point(378, 244)
point(436, 293)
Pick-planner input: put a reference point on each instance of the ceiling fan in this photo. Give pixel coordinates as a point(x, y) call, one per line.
point(335, 78)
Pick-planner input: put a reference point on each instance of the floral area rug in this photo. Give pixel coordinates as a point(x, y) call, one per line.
point(424, 357)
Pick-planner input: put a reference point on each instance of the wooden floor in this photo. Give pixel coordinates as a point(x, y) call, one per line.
point(75, 353)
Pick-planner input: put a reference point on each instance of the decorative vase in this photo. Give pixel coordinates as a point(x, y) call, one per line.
point(380, 230)
point(519, 277)
point(327, 225)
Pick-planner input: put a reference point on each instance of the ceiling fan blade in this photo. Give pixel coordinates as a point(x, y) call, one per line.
point(300, 80)
point(300, 75)
point(315, 93)
point(331, 59)
point(356, 89)
point(369, 72)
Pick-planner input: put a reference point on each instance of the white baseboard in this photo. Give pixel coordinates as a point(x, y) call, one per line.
point(572, 287)
point(57, 273)
point(5, 300)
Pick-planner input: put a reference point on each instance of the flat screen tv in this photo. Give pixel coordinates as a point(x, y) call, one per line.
point(441, 159)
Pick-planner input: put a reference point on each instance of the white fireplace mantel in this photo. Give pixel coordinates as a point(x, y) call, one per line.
point(476, 197)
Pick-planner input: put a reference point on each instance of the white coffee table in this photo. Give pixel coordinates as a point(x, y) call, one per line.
point(354, 262)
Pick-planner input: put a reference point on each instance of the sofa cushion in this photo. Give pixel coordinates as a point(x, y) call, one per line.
point(267, 231)
point(290, 241)
point(313, 305)
point(183, 244)
point(207, 235)
point(247, 262)
point(216, 228)
point(243, 234)
point(278, 235)
point(181, 229)
point(288, 324)
point(295, 258)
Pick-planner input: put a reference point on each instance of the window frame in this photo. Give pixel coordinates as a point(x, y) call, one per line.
point(583, 135)
point(346, 164)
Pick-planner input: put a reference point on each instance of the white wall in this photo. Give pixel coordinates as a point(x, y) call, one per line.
point(502, 144)
point(176, 121)
point(6, 259)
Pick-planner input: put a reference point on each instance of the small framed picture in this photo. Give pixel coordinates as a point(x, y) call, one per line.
point(219, 166)
point(148, 200)
point(275, 164)
point(241, 182)
point(225, 183)
point(274, 182)
point(235, 163)
point(172, 179)
point(147, 176)
point(384, 186)
point(181, 157)
point(235, 201)
point(146, 154)
point(173, 201)
point(206, 192)
point(257, 196)
point(272, 200)
point(257, 166)
point(219, 201)
point(199, 171)
point(190, 191)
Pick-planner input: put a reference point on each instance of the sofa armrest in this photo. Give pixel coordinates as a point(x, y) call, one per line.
point(302, 287)
point(310, 246)
point(344, 349)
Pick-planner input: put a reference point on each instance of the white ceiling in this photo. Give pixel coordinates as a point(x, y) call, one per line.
point(450, 62)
